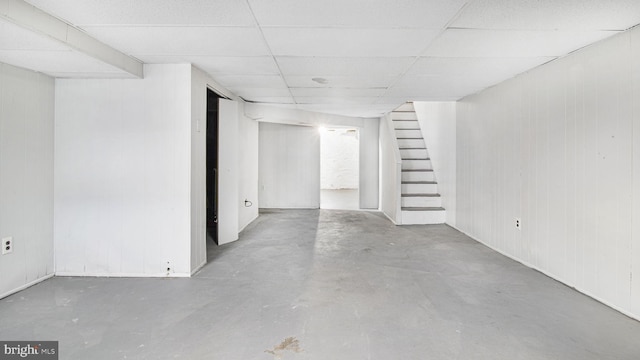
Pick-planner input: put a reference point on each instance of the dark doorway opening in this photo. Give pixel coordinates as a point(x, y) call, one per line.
point(212, 166)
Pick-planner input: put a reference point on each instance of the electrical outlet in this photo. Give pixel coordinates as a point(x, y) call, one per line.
point(518, 223)
point(7, 245)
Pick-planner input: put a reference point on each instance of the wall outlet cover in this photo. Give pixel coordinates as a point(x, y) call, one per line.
point(7, 245)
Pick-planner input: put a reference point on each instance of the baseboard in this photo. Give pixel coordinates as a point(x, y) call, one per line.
point(11, 292)
point(121, 275)
point(554, 277)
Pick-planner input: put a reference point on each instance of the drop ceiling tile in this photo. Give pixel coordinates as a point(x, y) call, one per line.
point(471, 66)
point(348, 42)
point(433, 14)
point(271, 99)
point(149, 12)
point(214, 65)
point(397, 101)
point(550, 15)
point(338, 92)
point(299, 81)
point(364, 110)
point(182, 41)
point(251, 81)
point(334, 100)
point(444, 86)
point(283, 106)
point(390, 103)
point(449, 84)
point(344, 66)
point(497, 43)
point(477, 72)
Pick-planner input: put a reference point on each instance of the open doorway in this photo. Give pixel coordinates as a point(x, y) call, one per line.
point(212, 167)
point(339, 168)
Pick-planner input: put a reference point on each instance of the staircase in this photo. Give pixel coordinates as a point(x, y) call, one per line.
point(420, 201)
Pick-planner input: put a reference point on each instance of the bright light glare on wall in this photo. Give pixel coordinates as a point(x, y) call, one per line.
point(322, 129)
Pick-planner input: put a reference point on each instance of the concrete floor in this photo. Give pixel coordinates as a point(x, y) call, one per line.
point(330, 285)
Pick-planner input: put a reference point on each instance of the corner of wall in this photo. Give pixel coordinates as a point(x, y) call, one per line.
point(26, 186)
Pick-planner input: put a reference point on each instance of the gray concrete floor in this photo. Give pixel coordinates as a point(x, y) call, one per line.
point(330, 285)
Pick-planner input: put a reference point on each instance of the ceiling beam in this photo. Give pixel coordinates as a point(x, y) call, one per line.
point(31, 18)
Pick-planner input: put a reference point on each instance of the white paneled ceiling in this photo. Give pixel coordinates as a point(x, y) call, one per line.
point(349, 57)
point(564, 15)
point(363, 14)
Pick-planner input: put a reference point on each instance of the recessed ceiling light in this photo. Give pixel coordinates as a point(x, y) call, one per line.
point(320, 80)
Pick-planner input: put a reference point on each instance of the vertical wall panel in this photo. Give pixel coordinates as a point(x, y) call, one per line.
point(634, 246)
point(438, 125)
point(26, 176)
point(122, 179)
point(247, 167)
point(369, 164)
point(571, 174)
point(289, 166)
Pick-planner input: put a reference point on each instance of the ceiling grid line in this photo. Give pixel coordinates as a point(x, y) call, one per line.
point(456, 16)
point(373, 54)
point(270, 51)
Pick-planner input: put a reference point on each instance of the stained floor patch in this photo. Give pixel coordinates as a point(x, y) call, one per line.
point(289, 344)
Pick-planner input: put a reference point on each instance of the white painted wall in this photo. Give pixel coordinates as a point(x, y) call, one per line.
point(289, 166)
point(26, 176)
point(123, 174)
point(438, 124)
point(369, 164)
point(339, 154)
point(559, 147)
point(369, 141)
point(390, 174)
point(248, 168)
